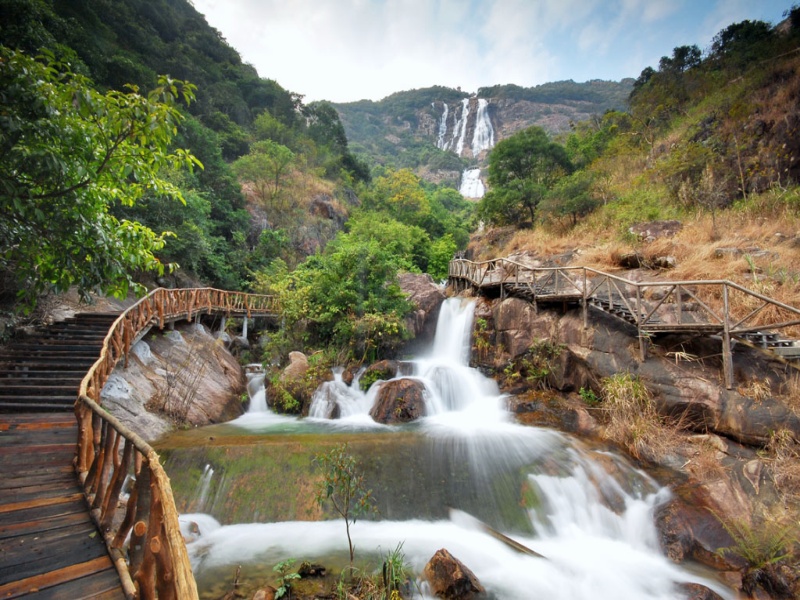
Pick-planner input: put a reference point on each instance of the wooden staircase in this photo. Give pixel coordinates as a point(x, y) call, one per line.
point(49, 545)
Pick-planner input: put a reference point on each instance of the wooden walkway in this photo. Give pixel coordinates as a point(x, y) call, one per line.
point(49, 545)
point(707, 307)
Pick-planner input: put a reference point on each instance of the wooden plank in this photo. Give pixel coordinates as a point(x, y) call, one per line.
point(15, 506)
point(103, 585)
point(68, 507)
point(44, 524)
point(45, 545)
point(57, 576)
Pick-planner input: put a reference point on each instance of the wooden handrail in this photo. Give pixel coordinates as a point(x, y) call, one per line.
point(667, 312)
point(109, 455)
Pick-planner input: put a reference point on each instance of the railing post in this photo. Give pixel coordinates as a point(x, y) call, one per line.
point(727, 356)
point(585, 307)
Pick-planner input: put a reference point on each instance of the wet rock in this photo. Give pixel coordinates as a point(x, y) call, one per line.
point(399, 401)
point(690, 531)
point(265, 593)
point(381, 370)
point(427, 297)
point(695, 591)
point(649, 232)
point(308, 569)
point(449, 578)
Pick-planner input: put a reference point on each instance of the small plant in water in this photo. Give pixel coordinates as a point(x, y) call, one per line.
point(343, 486)
point(285, 578)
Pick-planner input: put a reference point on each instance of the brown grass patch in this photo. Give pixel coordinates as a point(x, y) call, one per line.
point(784, 455)
point(632, 419)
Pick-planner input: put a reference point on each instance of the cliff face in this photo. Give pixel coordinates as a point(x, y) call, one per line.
point(442, 133)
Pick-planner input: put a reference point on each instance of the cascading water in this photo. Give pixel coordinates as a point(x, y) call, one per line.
point(440, 140)
point(586, 510)
point(483, 138)
point(471, 184)
point(461, 127)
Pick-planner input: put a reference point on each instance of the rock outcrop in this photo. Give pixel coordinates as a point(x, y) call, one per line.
point(449, 578)
point(689, 389)
point(399, 401)
point(180, 376)
point(427, 298)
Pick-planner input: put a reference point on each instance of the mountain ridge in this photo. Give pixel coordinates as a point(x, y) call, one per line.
point(406, 128)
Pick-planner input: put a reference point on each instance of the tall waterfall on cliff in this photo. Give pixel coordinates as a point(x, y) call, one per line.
point(483, 138)
point(455, 140)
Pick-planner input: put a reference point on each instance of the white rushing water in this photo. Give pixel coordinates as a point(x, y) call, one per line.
point(483, 138)
point(471, 184)
point(440, 140)
point(590, 513)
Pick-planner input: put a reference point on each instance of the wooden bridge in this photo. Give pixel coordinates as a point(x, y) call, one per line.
point(86, 510)
point(711, 307)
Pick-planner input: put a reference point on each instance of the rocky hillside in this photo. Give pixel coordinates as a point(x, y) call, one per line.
point(440, 131)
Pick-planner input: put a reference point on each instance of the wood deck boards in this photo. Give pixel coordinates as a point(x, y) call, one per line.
point(49, 546)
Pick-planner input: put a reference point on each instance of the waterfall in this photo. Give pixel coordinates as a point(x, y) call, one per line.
point(461, 127)
point(588, 511)
point(255, 388)
point(471, 184)
point(440, 141)
point(483, 138)
point(203, 487)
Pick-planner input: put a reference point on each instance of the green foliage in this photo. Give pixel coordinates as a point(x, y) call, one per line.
point(342, 486)
point(588, 396)
point(347, 297)
point(571, 197)
point(522, 170)
point(439, 257)
point(759, 546)
point(68, 153)
point(285, 578)
point(395, 572)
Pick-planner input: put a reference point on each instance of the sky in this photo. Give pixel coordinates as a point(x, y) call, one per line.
point(347, 50)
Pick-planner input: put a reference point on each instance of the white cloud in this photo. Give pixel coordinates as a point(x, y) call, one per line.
point(352, 49)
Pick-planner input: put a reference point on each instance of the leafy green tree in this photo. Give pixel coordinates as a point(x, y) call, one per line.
point(441, 252)
point(571, 197)
point(409, 244)
point(347, 297)
point(342, 485)
point(400, 194)
point(267, 167)
point(67, 153)
point(522, 169)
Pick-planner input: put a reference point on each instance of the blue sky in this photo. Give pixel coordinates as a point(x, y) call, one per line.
point(344, 50)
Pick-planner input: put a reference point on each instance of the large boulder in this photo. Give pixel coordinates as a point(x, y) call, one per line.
point(427, 298)
point(399, 401)
point(181, 376)
point(449, 578)
point(381, 370)
point(297, 367)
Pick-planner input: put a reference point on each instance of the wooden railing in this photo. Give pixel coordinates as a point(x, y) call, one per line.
point(124, 482)
point(705, 306)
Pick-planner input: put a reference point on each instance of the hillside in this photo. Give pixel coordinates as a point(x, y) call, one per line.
point(222, 235)
point(433, 130)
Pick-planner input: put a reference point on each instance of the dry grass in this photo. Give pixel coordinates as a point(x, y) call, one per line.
point(632, 419)
point(784, 455)
point(767, 260)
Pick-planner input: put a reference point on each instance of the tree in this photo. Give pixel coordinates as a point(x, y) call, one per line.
point(342, 485)
point(67, 154)
point(571, 197)
point(267, 167)
point(522, 169)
